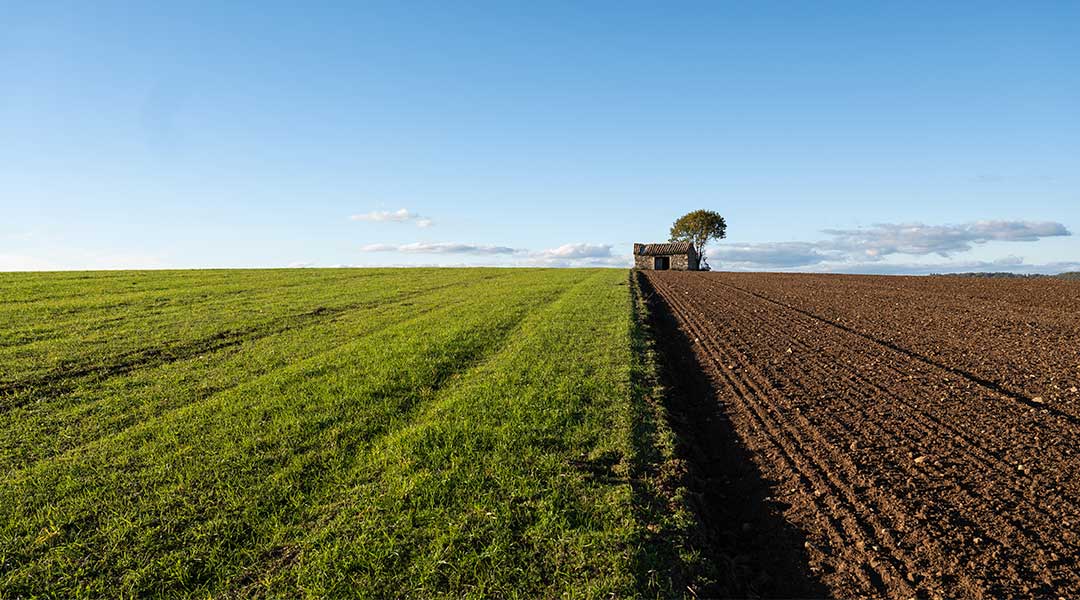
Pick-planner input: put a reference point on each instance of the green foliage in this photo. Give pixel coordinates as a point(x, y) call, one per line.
point(313, 433)
point(699, 227)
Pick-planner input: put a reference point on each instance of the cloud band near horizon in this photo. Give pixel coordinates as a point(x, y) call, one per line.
point(874, 243)
point(863, 248)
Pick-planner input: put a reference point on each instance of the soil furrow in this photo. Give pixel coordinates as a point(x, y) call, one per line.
point(843, 355)
point(831, 361)
point(1021, 528)
point(1019, 334)
point(858, 526)
point(959, 485)
point(826, 359)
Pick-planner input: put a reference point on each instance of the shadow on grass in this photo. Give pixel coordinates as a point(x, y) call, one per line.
point(737, 543)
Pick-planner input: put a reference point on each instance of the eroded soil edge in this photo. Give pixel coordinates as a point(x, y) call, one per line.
point(744, 545)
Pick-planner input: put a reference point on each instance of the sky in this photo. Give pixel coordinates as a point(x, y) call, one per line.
point(864, 137)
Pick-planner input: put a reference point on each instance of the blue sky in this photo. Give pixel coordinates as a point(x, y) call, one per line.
point(833, 136)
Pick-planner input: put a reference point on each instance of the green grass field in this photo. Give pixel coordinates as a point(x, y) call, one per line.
point(371, 432)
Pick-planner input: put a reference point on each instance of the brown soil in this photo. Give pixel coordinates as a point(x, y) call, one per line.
point(923, 433)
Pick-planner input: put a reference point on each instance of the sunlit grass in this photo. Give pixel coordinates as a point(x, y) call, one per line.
point(381, 433)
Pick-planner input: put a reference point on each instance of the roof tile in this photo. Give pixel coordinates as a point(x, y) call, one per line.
point(667, 248)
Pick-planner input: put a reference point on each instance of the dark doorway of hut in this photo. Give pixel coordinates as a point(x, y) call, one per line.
point(661, 263)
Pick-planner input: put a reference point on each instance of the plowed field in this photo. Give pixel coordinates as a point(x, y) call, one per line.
point(924, 433)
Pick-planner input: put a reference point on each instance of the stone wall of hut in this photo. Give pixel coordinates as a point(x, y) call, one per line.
point(677, 262)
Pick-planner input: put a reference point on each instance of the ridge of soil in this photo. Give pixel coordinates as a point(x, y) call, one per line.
point(922, 432)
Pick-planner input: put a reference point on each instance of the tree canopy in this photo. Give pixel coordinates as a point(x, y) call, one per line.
point(699, 227)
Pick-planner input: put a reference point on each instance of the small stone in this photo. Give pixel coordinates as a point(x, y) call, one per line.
point(977, 540)
point(789, 350)
point(1038, 400)
point(854, 446)
point(922, 459)
point(1073, 389)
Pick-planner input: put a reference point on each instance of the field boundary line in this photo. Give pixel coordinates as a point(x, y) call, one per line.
point(853, 520)
point(728, 477)
point(656, 473)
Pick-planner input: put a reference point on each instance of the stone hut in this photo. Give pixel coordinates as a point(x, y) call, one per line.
point(677, 256)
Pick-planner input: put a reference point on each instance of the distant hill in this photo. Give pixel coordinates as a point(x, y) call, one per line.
point(1007, 275)
point(994, 275)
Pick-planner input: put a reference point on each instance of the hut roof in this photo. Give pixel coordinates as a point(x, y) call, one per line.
point(668, 248)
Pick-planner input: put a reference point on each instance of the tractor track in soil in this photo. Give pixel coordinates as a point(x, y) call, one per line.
point(911, 476)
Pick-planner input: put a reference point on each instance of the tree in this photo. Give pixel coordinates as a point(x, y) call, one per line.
point(698, 227)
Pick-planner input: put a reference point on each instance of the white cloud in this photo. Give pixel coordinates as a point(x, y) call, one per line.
point(378, 216)
point(856, 247)
point(580, 250)
point(566, 255)
point(1011, 264)
point(763, 259)
point(578, 254)
point(402, 215)
point(884, 239)
point(604, 261)
point(776, 255)
point(440, 248)
point(379, 248)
